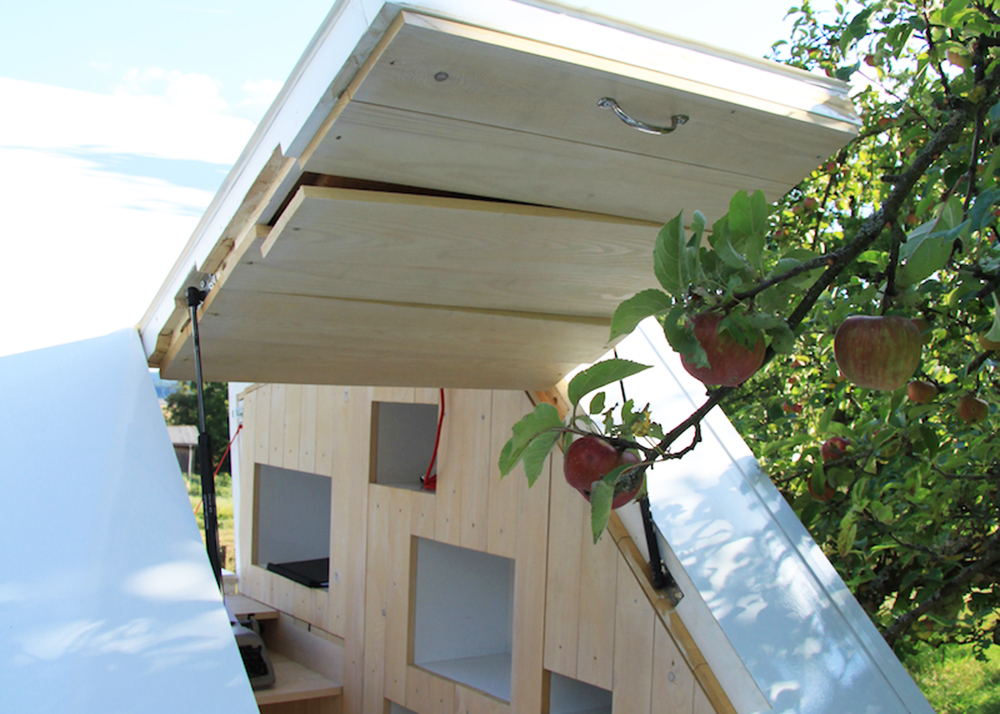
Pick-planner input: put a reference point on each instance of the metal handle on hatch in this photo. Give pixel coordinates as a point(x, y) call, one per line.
point(675, 121)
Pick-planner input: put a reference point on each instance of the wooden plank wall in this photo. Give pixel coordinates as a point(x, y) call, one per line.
point(579, 609)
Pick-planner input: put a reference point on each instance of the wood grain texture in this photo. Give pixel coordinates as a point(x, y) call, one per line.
point(398, 593)
point(387, 144)
point(379, 515)
point(351, 454)
point(422, 518)
point(502, 77)
point(563, 589)
point(673, 681)
point(451, 478)
point(276, 440)
point(633, 650)
point(528, 654)
point(248, 445)
point(293, 426)
point(308, 422)
point(253, 336)
point(471, 701)
point(262, 427)
point(504, 493)
point(450, 251)
point(597, 636)
point(472, 426)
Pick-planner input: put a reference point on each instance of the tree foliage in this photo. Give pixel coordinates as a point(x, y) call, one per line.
point(902, 221)
point(182, 410)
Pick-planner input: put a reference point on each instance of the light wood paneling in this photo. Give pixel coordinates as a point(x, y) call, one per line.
point(293, 426)
point(379, 515)
point(449, 251)
point(423, 515)
point(470, 701)
point(504, 494)
point(309, 422)
point(567, 510)
point(261, 440)
point(470, 452)
point(398, 594)
point(450, 475)
point(673, 682)
point(633, 651)
point(527, 681)
point(276, 440)
point(598, 596)
point(579, 609)
point(312, 340)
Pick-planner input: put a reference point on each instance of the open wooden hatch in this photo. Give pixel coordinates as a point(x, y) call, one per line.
point(470, 212)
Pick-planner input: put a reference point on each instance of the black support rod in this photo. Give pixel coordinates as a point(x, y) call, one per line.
point(194, 299)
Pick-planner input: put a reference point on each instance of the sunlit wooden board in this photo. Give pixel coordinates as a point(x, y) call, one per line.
point(445, 104)
point(442, 251)
point(310, 340)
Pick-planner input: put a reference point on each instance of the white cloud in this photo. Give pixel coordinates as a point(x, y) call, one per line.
point(192, 91)
point(260, 94)
point(85, 246)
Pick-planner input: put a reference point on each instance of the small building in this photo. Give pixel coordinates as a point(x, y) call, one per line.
point(185, 441)
point(451, 198)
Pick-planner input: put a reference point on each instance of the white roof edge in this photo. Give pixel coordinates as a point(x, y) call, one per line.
point(344, 41)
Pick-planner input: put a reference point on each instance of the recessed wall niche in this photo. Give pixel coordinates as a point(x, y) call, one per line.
point(292, 524)
point(402, 448)
point(463, 616)
point(571, 696)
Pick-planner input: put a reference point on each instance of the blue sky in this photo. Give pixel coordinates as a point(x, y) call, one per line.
point(119, 120)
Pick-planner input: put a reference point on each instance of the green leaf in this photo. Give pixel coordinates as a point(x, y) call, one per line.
point(927, 258)
point(994, 331)
point(846, 539)
point(601, 497)
point(681, 337)
point(982, 210)
point(723, 248)
point(599, 375)
point(669, 258)
point(748, 214)
point(844, 73)
point(528, 429)
point(597, 403)
point(755, 252)
point(637, 308)
point(994, 114)
point(536, 453)
point(697, 228)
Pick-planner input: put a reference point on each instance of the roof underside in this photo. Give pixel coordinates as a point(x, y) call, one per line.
point(468, 216)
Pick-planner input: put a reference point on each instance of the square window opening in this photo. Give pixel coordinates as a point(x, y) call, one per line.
point(292, 524)
point(463, 616)
point(402, 447)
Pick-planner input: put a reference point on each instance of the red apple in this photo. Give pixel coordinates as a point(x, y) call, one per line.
point(972, 409)
point(920, 392)
point(828, 491)
point(788, 408)
point(729, 362)
point(589, 459)
point(877, 352)
point(834, 448)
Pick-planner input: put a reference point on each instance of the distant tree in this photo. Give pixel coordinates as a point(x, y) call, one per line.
point(182, 410)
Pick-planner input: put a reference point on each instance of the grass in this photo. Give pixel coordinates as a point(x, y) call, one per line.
point(955, 682)
point(224, 510)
